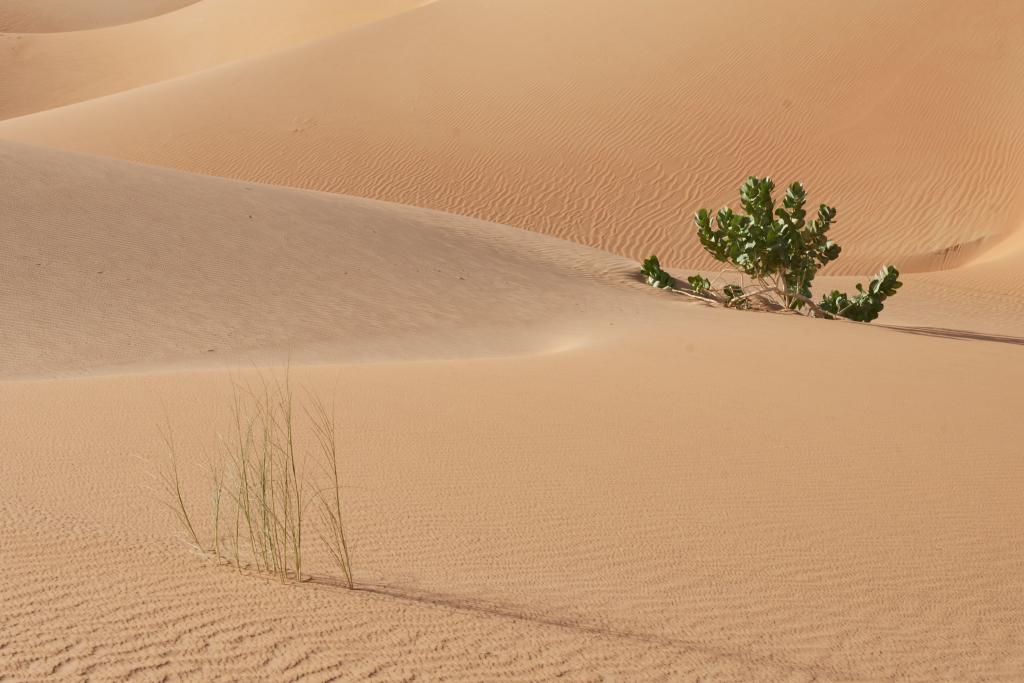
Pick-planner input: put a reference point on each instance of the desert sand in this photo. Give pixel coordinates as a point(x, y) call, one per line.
point(430, 214)
point(55, 16)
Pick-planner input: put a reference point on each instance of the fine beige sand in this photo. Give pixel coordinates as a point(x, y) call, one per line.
point(42, 71)
point(551, 470)
point(51, 16)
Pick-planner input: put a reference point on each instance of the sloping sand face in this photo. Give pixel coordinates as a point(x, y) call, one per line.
point(39, 72)
point(610, 122)
point(117, 263)
point(49, 16)
point(550, 470)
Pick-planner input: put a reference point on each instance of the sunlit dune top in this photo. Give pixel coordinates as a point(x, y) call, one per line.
point(46, 16)
point(600, 121)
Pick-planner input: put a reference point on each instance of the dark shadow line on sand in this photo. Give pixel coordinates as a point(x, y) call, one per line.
point(962, 335)
point(457, 603)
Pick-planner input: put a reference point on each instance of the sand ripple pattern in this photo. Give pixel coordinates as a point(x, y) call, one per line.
point(609, 123)
point(508, 525)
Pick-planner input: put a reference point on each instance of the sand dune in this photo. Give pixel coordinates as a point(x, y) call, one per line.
point(117, 263)
point(43, 71)
point(610, 122)
point(551, 470)
point(46, 16)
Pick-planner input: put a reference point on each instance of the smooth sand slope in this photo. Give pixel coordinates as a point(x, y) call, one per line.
point(607, 122)
point(47, 16)
point(624, 493)
point(106, 263)
point(38, 72)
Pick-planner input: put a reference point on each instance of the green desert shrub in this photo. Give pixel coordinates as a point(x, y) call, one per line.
point(781, 251)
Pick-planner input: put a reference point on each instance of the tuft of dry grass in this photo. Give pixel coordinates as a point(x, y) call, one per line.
point(259, 489)
point(170, 481)
point(332, 527)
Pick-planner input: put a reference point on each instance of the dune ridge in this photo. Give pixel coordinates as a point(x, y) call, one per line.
point(51, 16)
point(122, 263)
point(44, 71)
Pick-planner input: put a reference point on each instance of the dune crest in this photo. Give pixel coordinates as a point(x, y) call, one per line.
point(144, 266)
point(43, 71)
point(50, 16)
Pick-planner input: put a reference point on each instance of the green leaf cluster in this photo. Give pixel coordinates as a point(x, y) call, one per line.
point(699, 284)
point(867, 303)
point(656, 277)
point(771, 244)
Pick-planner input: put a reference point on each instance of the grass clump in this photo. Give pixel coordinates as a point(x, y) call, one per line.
point(332, 527)
point(260, 490)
